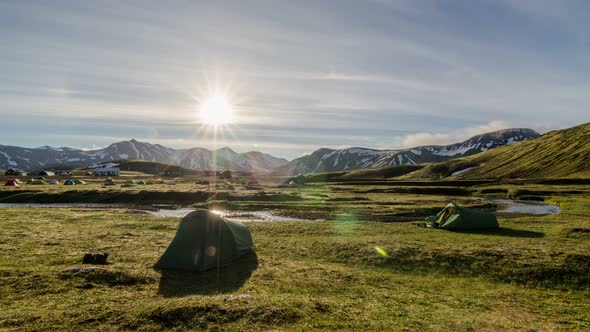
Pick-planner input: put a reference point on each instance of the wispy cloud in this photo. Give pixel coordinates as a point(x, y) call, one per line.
point(376, 73)
point(457, 135)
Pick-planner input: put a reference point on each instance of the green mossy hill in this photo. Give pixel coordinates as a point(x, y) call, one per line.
point(557, 154)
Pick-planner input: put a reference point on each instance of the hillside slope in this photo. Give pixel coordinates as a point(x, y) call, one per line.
point(557, 154)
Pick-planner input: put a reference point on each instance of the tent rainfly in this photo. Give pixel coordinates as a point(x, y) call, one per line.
point(455, 217)
point(205, 241)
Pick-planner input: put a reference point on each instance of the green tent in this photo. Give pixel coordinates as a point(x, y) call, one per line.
point(455, 217)
point(205, 241)
point(37, 182)
point(78, 181)
point(129, 182)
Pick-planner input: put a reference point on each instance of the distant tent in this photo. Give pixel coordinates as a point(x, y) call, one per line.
point(109, 182)
point(11, 183)
point(54, 182)
point(40, 178)
point(455, 217)
point(171, 183)
point(205, 241)
point(129, 182)
point(37, 182)
point(141, 182)
point(18, 181)
point(69, 182)
point(78, 181)
point(89, 173)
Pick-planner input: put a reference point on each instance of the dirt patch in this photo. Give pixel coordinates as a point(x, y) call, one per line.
point(578, 233)
point(202, 316)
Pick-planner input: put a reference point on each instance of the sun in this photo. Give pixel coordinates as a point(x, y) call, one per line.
point(216, 110)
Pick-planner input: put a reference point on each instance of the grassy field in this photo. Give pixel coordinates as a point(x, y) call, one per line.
point(533, 274)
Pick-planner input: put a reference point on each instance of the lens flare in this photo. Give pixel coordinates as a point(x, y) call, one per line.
point(381, 251)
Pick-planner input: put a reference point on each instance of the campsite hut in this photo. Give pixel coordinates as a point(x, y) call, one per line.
point(53, 182)
point(78, 181)
point(205, 241)
point(106, 171)
point(455, 217)
point(69, 182)
point(109, 182)
point(11, 183)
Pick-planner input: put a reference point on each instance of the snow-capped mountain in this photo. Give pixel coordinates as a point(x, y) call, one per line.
point(329, 160)
point(195, 158)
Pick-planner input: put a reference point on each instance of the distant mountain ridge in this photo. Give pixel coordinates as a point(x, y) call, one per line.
point(321, 160)
point(330, 160)
point(195, 158)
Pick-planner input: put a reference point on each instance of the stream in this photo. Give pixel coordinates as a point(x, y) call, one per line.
point(508, 206)
point(240, 216)
point(505, 207)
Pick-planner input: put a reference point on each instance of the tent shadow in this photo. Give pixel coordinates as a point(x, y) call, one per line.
point(178, 283)
point(504, 232)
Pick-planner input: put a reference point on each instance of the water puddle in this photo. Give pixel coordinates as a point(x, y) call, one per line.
point(163, 211)
point(507, 206)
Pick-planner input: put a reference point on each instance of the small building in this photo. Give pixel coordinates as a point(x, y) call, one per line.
point(13, 172)
point(106, 171)
point(46, 173)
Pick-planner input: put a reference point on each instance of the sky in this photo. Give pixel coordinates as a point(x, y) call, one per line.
point(301, 75)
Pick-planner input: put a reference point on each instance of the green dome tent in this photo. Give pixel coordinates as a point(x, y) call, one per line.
point(129, 182)
point(455, 217)
point(78, 181)
point(37, 182)
point(69, 182)
point(205, 241)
